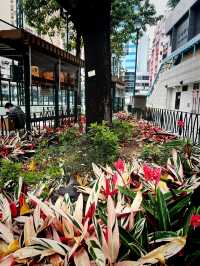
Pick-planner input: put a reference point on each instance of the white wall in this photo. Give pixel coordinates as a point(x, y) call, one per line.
point(187, 73)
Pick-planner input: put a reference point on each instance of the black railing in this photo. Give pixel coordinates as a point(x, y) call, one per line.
point(39, 121)
point(183, 124)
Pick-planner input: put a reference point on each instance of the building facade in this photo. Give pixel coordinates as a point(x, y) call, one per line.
point(128, 62)
point(178, 81)
point(10, 89)
point(160, 50)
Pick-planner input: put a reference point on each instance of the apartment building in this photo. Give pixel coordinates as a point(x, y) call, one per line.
point(177, 83)
point(159, 51)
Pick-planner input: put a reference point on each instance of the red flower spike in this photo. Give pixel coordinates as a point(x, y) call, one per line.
point(13, 209)
point(195, 221)
point(119, 165)
point(152, 174)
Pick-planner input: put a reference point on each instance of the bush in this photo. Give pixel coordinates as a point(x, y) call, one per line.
point(69, 136)
point(122, 129)
point(104, 143)
point(159, 154)
point(9, 173)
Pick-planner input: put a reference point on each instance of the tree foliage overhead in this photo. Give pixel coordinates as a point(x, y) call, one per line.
point(45, 16)
point(124, 15)
point(172, 3)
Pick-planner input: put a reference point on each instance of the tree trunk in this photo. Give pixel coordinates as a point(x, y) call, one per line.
point(96, 38)
point(93, 18)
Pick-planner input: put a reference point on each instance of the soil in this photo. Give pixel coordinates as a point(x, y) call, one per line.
point(130, 150)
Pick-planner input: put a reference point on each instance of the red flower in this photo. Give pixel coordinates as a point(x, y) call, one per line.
point(180, 123)
point(195, 221)
point(13, 209)
point(119, 165)
point(152, 174)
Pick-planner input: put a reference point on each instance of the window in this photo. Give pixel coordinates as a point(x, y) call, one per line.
point(177, 100)
point(130, 61)
point(185, 88)
point(131, 46)
point(196, 86)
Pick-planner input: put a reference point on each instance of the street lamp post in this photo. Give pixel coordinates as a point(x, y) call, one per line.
point(137, 28)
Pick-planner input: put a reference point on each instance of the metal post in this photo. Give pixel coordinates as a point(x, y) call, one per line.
point(135, 73)
point(57, 89)
point(67, 32)
point(68, 102)
point(27, 85)
point(1, 95)
point(75, 106)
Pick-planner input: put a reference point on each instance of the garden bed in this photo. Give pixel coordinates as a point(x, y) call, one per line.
point(141, 209)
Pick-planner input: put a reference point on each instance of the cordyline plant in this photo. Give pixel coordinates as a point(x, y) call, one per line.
point(153, 133)
point(13, 147)
point(124, 221)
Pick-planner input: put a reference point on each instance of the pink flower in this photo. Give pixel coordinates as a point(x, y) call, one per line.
point(195, 221)
point(119, 165)
point(180, 123)
point(152, 174)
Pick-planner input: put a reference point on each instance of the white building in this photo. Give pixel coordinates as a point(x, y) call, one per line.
point(177, 84)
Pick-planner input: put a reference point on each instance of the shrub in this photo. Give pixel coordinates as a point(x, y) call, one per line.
point(9, 173)
point(69, 136)
point(122, 129)
point(104, 143)
point(160, 153)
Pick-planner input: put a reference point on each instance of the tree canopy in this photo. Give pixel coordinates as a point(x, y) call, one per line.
point(173, 3)
point(46, 17)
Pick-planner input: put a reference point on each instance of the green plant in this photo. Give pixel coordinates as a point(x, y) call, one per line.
point(122, 129)
point(151, 152)
point(69, 136)
point(104, 143)
point(159, 154)
point(9, 173)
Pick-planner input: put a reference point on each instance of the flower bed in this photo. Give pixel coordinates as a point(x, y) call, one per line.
point(133, 213)
point(130, 217)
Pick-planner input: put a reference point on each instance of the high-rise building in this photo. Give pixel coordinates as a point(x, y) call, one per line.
point(128, 62)
point(160, 49)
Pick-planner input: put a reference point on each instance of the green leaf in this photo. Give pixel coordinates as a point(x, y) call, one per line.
point(138, 228)
point(179, 206)
point(127, 192)
point(186, 221)
point(161, 235)
point(162, 211)
point(131, 243)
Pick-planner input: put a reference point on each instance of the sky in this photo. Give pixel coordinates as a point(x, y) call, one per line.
point(161, 7)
